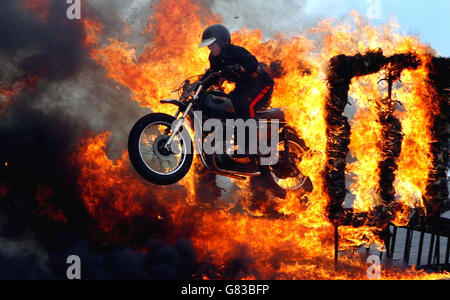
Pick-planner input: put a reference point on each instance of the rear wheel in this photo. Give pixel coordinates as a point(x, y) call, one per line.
point(286, 175)
point(148, 155)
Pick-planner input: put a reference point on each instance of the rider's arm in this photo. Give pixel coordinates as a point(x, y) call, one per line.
point(247, 61)
point(214, 67)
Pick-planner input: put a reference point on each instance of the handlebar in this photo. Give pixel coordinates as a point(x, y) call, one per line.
point(211, 76)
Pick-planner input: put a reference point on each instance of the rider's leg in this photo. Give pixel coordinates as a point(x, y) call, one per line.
point(261, 100)
point(240, 98)
point(245, 100)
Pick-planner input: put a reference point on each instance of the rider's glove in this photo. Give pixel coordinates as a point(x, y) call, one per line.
point(229, 71)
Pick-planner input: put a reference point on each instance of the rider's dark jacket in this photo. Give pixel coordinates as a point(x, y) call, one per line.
point(253, 87)
point(232, 55)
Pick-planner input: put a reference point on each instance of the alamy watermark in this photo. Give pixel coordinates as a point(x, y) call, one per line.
point(249, 137)
point(374, 10)
point(74, 270)
point(74, 10)
point(374, 271)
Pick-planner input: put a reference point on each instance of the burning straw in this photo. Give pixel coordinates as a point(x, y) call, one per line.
point(436, 196)
point(342, 70)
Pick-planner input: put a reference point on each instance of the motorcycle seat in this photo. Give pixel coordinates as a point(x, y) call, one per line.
point(218, 104)
point(272, 114)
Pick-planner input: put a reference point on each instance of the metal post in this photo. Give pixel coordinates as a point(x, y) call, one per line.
point(393, 241)
point(422, 235)
point(336, 246)
point(447, 253)
point(430, 253)
point(409, 236)
point(438, 243)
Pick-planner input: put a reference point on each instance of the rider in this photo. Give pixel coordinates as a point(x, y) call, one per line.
point(254, 86)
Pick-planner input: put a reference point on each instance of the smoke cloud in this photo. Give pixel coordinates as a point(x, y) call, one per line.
point(40, 129)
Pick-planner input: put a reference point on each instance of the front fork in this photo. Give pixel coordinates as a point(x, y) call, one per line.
point(180, 122)
point(177, 126)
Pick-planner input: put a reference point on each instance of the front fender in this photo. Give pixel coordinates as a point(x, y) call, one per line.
point(174, 102)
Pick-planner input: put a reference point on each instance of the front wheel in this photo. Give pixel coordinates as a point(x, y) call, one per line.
point(149, 156)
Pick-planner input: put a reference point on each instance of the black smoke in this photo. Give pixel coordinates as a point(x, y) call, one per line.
point(53, 48)
point(38, 147)
point(39, 134)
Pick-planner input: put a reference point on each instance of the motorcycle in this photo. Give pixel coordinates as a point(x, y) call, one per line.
point(160, 146)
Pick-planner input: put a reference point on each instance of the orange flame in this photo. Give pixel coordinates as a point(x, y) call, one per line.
point(8, 93)
point(285, 248)
point(98, 171)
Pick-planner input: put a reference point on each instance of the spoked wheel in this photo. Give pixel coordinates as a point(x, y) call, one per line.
point(286, 174)
point(149, 156)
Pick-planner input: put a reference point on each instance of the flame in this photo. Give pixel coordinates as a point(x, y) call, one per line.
point(97, 170)
point(46, 209)
point(7, 93)
point(414, 163)
point(284, 248)
point(93, 29)
point(173, 53)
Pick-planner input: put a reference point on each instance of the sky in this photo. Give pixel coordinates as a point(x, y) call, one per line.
point(428, 19)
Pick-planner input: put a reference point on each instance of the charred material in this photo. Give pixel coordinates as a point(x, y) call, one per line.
point(391, 138)
point(342, 69)
point(436, 196)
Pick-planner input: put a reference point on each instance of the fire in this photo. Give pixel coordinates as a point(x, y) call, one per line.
point(93, 29)
point(172, 55)
point(284, 248)
point(98, 171)
point(416, 117)
point(46, 209)
point(414, 161)
point(101, 178)
point(298, 245)
point(7, 93)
